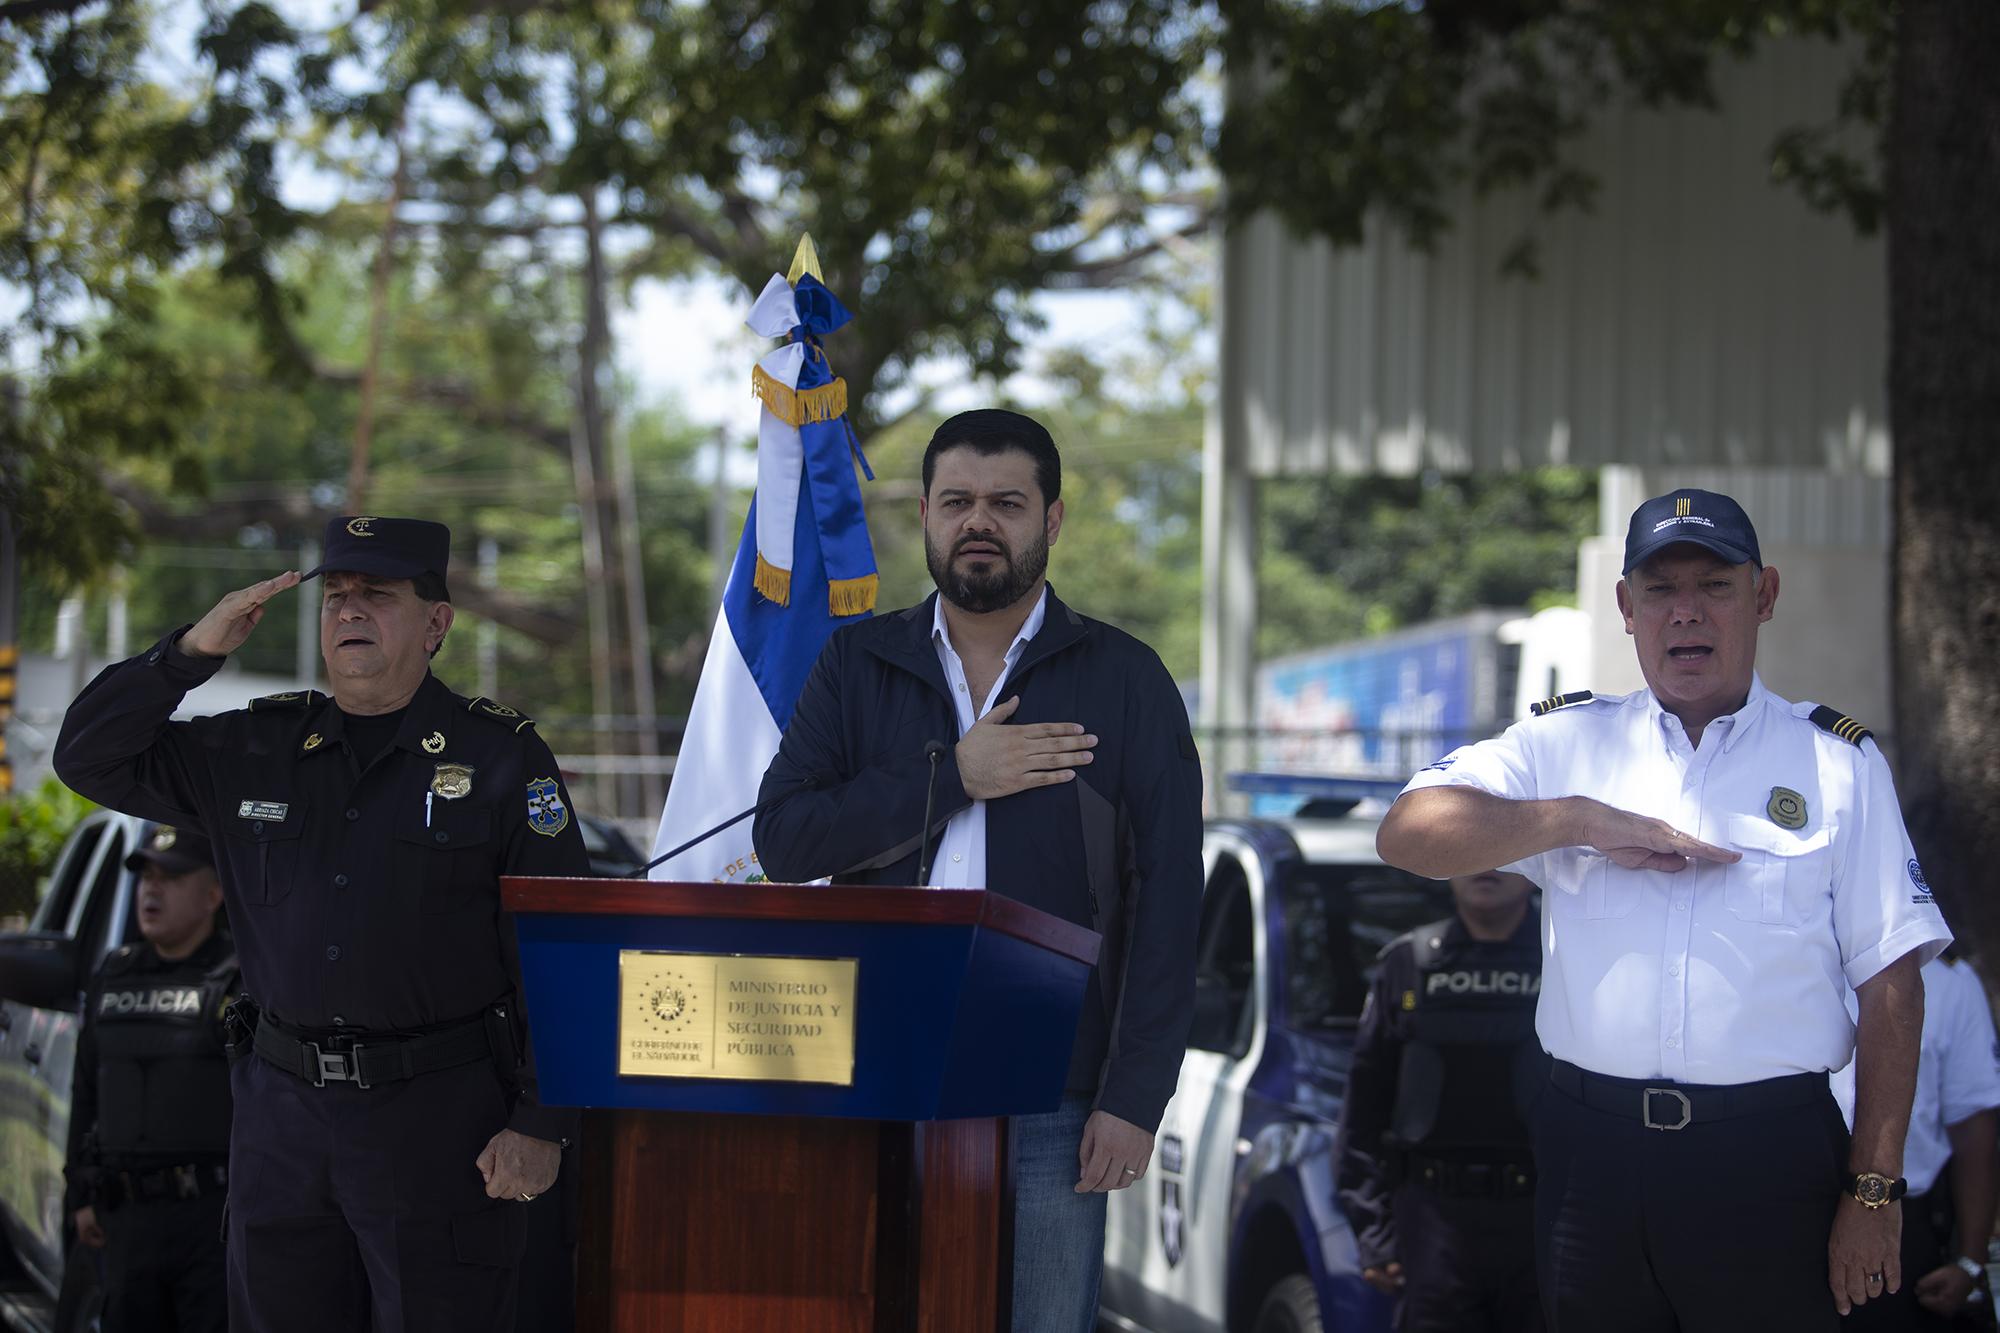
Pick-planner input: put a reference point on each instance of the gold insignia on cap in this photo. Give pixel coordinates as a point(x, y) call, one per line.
point(1787, 808)
point(452, 781)
point(165, 836)
point(313, 742)
point(1683, 506)
point(360, 527)
point(434, 743)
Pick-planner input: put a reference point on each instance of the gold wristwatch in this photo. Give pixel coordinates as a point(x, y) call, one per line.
point(1871, 1190)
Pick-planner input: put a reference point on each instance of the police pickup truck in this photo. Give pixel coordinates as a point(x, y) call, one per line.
point(84, 912)
point(1235, 1228)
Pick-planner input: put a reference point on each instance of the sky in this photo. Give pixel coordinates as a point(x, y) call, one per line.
point(685, 342)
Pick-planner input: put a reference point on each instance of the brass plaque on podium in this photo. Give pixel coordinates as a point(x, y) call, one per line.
point(702, 1015)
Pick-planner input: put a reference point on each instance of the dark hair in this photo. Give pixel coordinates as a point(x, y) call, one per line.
point(994, 430)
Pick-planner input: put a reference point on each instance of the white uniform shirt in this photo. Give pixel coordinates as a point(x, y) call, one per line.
point(1717, 973)
point(960, 862)
point(1958, 1070)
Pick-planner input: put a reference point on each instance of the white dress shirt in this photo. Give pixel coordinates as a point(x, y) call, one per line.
point(960, 860)
point(1717, 973)
point(1958, 1070)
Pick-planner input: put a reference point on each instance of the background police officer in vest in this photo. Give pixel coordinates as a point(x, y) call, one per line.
point(1434, 1173)
point(149, 1113)
point(389, 1126)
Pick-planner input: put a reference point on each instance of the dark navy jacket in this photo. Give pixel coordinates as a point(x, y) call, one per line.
point(1118, 849)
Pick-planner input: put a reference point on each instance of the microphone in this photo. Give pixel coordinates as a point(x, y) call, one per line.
point(812, 781)
point(933, 751)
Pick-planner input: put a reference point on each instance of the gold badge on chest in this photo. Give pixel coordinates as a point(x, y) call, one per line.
point(1787, 808)
point(452, 781)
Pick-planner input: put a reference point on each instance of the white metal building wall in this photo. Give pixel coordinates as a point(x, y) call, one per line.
point(1701, 314)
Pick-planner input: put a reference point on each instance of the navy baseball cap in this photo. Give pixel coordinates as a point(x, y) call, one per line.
point(392, 548)
point(1702, 517)
point(174, 850)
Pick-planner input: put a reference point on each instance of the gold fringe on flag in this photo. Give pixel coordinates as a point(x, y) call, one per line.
point(774, 583)
point(797, 408)
point(851, 597)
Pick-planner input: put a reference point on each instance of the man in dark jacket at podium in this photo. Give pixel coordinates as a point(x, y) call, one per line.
point(1073, 786)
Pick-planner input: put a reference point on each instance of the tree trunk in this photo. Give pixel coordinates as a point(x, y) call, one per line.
point(1944, 412)
point(378, 321)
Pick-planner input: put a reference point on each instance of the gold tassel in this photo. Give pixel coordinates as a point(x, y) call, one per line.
point(794, 407)
point(851, 597)
point(774, 583)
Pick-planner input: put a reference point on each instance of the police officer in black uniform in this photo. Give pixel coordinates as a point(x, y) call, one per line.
point(149, 1109)
point(1434, 1170)
point(390, 1125)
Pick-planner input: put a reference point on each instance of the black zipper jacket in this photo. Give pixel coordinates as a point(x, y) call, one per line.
point(1118, 849)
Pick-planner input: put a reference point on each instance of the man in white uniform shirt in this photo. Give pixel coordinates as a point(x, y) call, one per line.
point(1718, 867)
point(1953, 1121)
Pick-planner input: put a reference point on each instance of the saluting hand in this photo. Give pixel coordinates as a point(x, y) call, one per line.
point(1639, 842)
point(996, 760)
point(517, 1166)
point(223, 630)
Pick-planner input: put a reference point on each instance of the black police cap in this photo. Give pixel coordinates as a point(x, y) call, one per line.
point(1701, 517)
point(174, 850)
point(390, 548)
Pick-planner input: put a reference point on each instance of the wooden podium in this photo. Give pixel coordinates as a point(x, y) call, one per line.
point(740, 1202)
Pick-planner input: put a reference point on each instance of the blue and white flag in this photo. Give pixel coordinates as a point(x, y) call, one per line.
point(805, 565)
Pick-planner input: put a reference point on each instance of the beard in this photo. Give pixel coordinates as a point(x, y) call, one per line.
point(1004, 583)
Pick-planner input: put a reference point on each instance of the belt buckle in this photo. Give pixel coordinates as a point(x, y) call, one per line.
point(339, 1066)
point(1646, 1108)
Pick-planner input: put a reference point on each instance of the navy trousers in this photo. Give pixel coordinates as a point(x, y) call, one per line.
point(1720, 1227)
point(163, 1270)
point(354, 1208)
point(1468, 1263)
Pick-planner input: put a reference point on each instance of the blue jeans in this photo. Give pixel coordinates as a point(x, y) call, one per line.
point(1058, 1233)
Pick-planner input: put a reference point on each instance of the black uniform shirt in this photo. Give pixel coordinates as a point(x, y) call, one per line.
point(155, 1090)
point(362, 898)
point(1477, 998)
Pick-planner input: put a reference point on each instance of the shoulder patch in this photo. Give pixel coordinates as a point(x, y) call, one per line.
point(1547, 706)
point(511, 718)
point(1840, 724)
point(289, 699)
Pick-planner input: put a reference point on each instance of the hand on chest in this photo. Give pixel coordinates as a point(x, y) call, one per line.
point(1768, 804)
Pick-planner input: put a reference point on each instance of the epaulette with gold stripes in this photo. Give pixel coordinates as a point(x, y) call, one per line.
point(289, 699)
point(1840, 724)
point(1547, 706)
point(511, 718)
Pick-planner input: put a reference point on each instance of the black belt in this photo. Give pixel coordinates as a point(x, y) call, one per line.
point(1661, 1104)
point(1498, 1180)
point(321, 1058)
point(189, 1181)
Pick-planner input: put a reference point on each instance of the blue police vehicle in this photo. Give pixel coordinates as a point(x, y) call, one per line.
point(1235, 1228)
